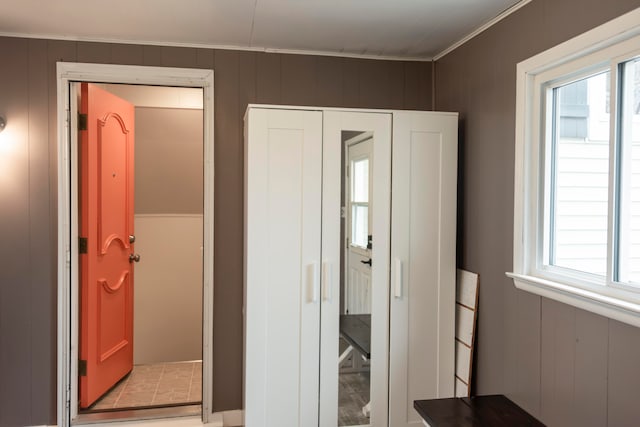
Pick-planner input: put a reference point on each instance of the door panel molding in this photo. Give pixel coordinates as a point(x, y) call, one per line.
point(123, 137)
point(422, 246)
point(67, 261)
point(283, 217)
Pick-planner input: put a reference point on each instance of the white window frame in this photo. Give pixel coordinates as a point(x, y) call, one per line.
point(599, 49)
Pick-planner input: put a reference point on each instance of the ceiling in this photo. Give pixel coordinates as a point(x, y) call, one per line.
point(410, 29)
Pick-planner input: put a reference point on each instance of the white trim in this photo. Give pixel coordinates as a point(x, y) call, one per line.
point(234, 418)
point(228, 418)
point(67, 235)
point(611, 307)
point(215, 46)
point(338, 54)
point(593, 48)
point(482, 28)
point(192, 421)
point(162, 215)
point(338, 109)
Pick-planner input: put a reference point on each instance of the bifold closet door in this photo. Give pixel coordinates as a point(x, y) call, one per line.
point(423, 242)
point(283, 184)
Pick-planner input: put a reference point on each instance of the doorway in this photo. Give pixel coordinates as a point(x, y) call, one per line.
point(194, 235)
point(162, 256)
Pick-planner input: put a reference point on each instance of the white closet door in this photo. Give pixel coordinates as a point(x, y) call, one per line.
point(335, 122)
point(423, 266)
point(283, 184)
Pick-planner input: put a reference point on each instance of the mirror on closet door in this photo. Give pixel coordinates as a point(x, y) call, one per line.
point(354, 389)
point(356, 197)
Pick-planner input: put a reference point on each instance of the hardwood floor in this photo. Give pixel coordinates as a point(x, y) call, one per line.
point(353, 394)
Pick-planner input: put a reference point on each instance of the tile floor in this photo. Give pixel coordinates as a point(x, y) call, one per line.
point(167, 384)
point(156, 385)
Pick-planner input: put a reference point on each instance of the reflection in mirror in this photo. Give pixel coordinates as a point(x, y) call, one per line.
point(355, 279)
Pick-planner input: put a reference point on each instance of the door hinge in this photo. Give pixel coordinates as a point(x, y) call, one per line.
point(82, 368)
point(82, 121)
point(82, 245)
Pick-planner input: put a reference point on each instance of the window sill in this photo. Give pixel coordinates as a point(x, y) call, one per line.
point(604, 305)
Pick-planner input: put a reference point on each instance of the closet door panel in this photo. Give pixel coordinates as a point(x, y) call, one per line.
point(379, 124)
point(283, 211)
point(330, 309)
point(422, 316)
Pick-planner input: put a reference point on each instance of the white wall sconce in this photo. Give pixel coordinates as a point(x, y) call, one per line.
point(3, 123)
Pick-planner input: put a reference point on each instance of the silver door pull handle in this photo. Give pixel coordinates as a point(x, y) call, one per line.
point(134, 258)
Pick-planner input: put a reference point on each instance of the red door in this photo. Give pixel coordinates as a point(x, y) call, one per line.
point(106, 222)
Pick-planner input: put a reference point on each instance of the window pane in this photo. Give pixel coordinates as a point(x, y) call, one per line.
point(360, 190)
point(580, 165)
point(629, 206)
point(359, 225)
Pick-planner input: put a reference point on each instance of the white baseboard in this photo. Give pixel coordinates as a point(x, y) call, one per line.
point(228, 418)
point(233, 418)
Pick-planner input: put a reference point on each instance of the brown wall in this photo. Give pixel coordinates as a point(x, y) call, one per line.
point(564, 365)
point(168, 161)
point(28, 187)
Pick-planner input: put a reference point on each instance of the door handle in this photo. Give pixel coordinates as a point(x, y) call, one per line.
point(397, 291)
point(134, 258)
point(367, 262)
point(312, 283)
point(326, 281)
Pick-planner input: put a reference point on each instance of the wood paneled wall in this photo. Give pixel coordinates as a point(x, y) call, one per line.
point(28, 188)
point(564, 365)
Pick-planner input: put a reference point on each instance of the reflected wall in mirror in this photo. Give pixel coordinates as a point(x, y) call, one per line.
point(354, 385)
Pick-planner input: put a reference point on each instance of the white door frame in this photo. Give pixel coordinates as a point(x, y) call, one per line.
point(348, 176)
point(67, 389)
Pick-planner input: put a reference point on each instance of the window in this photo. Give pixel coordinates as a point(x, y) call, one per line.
point(577, 165)
point(577, 179)
point(360, 202)
point(627, 268)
